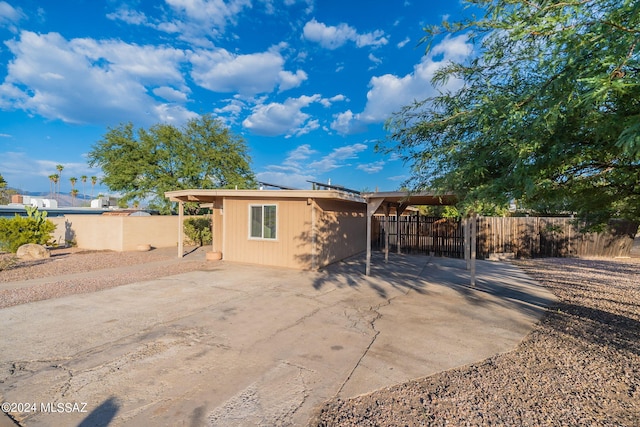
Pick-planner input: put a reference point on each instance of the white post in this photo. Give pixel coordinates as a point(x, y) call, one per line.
point(368, 264)
point(180, 227)
point(473, 249)
point(467, 241)
point(314, 235)
point(372, 207)
point(387, 229)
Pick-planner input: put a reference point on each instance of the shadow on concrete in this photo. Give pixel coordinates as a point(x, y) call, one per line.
point(496, 283)
point(102, 415)
point(400, 273)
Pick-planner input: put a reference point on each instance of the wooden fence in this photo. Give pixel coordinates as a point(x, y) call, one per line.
point(525, 237)
point(552, 237)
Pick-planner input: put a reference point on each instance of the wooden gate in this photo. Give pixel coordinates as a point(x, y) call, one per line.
point(419, 234)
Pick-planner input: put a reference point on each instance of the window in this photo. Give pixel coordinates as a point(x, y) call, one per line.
point(262, 222)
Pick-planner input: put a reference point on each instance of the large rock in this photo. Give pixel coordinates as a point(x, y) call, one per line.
point(32, 251)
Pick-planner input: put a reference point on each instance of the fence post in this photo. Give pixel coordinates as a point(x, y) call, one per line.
point(387, 226)
point(467, 241)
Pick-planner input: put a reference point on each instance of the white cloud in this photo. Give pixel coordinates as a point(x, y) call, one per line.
point(289, 179)
point(376, 38)
point(222, 71)
point(328, 102)
point(282, 118)
point(293, 171)
point(374, 167)
point(299, 166)
point(333, 37)
point(347, 122)
point(22, 171)
point(289, 80)
point(308, 127)
point(129, 16)
point(337, 158)
point(271, 7)
point(207, 15)
point(90, 81)
point(170, 94)
point(403, 43)
point(231, 110)
point(194, 21)
point(301, 153)
point(10, 17)
point(388, 93)
point(374, 59)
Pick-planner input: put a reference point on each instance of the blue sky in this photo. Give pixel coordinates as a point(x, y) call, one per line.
point(307, 83)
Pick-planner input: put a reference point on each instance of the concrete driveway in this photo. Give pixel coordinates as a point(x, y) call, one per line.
point(249, 345)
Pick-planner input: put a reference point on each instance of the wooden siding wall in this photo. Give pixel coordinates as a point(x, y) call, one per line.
point(289, 249)
point(523, 236)
point(341, 230)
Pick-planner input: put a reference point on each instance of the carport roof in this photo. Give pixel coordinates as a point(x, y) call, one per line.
point(393, 197)
point(411, 199)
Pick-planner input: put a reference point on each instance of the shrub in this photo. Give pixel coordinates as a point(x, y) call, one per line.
point(17, 231)
point(198, 230)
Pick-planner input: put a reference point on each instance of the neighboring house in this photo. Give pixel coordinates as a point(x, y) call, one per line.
point(302, 229)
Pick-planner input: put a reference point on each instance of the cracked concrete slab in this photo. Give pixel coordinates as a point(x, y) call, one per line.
point(250, 345)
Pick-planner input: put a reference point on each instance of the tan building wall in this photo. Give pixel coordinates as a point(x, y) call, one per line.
point(290, 249)
point(342, 230)
point(339, 232)
point(117, 233)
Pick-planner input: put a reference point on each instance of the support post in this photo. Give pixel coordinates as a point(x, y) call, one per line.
point(467, 240)
point(473, 230)
point(372, 207)
point(180, 227)
point(367, 271)
point(314, 235)
point(399, 211)
point(387, 229)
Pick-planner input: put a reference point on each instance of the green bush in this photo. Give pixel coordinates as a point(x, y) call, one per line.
point(198, 230)
point(17, 231)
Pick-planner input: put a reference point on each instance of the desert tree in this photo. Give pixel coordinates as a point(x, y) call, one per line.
point(142, 164)
point(547, 111)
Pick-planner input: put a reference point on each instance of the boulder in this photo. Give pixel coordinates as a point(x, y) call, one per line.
point(31, 251)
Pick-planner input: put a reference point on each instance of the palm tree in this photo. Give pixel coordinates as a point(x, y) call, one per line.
point(94, 180)
point(55, 178)
point(83, 178)
point(74, 194)
point(59, 168)
point(52, 187)
point(73, 181)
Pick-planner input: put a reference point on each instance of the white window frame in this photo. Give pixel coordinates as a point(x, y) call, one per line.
point(262, 228)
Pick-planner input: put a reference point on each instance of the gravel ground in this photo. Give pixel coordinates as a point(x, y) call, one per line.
point(580, 366)
point(71, 261)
